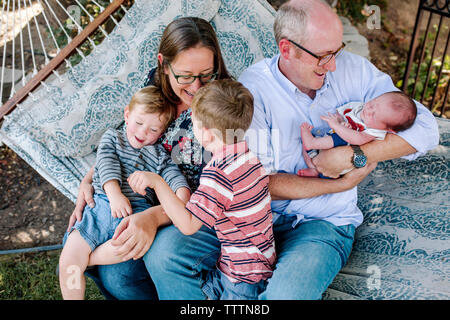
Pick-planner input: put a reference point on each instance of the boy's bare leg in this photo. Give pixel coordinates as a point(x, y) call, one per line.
point(310, 142)
point(104, 255)
point(72, 264)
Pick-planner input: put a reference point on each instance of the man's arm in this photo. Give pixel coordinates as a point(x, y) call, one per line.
point(333, 161)
point(285, 186)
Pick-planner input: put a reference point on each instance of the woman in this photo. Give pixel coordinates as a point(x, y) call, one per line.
point(189, 57)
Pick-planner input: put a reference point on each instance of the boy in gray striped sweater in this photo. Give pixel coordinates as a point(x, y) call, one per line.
point(119, 154)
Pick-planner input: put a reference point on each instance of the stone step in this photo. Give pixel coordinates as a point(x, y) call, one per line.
point(354, 41)
point(10, 75)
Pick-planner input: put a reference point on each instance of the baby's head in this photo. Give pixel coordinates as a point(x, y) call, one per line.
point(223, 108)
point(392, 111)
point(147, 117)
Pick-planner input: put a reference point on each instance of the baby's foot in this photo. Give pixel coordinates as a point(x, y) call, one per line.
point(308, 172)
point(307, 137)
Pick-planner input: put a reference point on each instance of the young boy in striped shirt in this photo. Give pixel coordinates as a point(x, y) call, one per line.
point(120, 153)
point(233, 196)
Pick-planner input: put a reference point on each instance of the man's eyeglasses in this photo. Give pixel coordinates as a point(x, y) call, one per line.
point(321, 60)
point(188, 79)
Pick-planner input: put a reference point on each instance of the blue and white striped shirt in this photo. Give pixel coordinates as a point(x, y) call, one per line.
point(117, 159)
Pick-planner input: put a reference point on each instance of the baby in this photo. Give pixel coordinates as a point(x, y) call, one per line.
point(119, 154)
point(357, 123)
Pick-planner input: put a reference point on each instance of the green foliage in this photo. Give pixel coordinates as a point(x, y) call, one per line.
point(86, 47)
point(427, 73)
point(33, 277)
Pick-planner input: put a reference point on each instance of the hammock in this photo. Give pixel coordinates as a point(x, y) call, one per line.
point(54, 122)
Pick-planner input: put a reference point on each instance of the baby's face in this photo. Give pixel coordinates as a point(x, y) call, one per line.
point(143, 128)
point(378, 113)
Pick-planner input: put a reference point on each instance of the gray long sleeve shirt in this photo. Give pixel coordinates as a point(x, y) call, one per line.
point(117, 159)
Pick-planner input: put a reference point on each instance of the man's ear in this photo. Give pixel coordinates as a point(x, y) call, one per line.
point(285, 48)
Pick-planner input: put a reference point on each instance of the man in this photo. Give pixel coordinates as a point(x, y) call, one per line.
point(311, 77)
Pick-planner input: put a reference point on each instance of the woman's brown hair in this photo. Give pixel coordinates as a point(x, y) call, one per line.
point(182, 34)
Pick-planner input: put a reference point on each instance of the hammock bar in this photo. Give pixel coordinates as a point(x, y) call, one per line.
point(62, 55)
point(91, 18)
point(102, 8)
point(79, 28)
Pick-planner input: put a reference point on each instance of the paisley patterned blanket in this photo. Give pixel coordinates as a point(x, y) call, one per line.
point(401, 250)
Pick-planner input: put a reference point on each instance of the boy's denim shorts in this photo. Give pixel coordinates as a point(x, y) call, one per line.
point(218, 287)
point(98, 225)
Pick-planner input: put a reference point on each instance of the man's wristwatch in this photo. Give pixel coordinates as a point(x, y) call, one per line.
point(359, 159)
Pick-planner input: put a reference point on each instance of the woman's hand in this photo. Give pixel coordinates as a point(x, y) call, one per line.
point(85, 196)
point(135, 234)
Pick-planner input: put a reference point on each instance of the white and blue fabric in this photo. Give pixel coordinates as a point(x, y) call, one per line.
point(402, 248)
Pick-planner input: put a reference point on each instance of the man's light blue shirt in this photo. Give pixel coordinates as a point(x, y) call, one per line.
point(280, 109)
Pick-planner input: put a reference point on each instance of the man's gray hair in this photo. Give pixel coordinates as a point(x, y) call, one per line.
point(291, 21)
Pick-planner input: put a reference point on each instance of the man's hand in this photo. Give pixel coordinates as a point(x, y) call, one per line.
point(332, 162)
point(139, 180)
point(356, 176)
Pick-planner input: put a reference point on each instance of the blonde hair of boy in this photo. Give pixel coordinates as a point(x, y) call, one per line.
point(225, 106)
point(153, 101)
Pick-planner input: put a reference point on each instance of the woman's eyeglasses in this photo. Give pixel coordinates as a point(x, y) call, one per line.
point(188, 79)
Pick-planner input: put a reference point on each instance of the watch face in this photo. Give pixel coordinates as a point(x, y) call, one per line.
point(359, 161)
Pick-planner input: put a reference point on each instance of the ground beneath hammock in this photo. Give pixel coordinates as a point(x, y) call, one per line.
point(33, 213)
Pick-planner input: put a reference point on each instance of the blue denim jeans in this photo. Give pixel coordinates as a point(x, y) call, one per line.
point(309, 257)
point(98, 225)
point(218, 287)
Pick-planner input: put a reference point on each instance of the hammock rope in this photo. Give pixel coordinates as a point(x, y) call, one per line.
point(24, 16)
